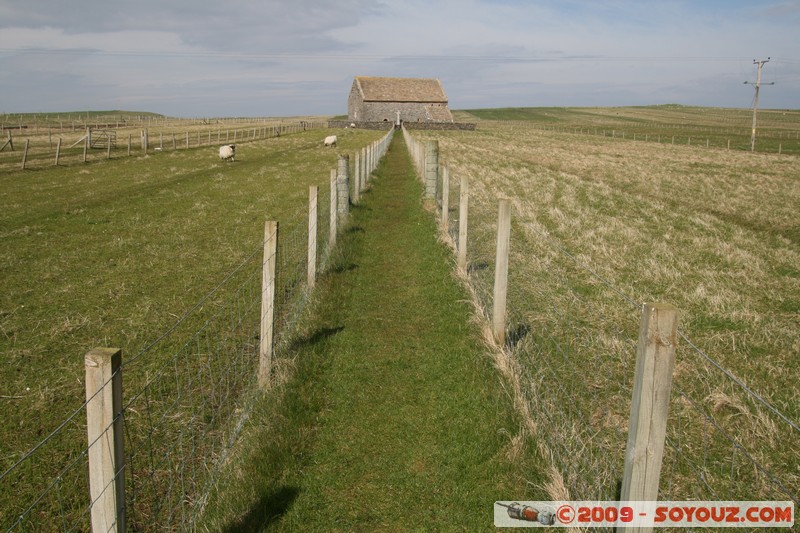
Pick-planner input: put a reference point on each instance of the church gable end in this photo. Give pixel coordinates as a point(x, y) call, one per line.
point(374, 99)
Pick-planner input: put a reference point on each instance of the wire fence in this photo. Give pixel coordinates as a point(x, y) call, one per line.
point(156, 444)
point(572, 336)
point(780, 140)
point(193, 389)
point(38, 149)
point(78, 121)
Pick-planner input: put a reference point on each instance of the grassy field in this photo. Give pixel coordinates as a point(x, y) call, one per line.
point(601, 224)
point(42, 133)
point(778, 129)
point(112, 253)
point(393, 418)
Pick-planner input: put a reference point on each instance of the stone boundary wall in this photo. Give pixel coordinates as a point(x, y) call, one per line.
point(409, 125)
point(439, 125)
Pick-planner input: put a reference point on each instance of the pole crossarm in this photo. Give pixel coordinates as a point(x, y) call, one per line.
point(757, 85)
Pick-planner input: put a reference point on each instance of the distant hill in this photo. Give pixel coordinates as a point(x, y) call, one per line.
point(662, 114)
point(80, 115)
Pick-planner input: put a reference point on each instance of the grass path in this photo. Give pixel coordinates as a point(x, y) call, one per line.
point(395, 419)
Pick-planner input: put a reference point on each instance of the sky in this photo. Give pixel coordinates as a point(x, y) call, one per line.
point(197, 58)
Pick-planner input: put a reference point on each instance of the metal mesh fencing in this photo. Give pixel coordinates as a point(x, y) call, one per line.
point(42, 149)
point(572, 336)
point(725, 441)
point(185, 398)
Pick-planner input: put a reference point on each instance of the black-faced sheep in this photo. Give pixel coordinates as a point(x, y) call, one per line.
point(227, 152)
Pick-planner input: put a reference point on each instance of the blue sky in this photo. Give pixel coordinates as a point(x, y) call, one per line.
point(195, 58)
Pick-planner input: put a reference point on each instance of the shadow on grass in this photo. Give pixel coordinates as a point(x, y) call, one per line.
point(516, 335)
point(341, 269)
point(361, 206)
point(314, 338)
point(267, 510)
point(477, 266)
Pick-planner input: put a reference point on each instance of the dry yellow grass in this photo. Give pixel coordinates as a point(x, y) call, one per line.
point(602, 224)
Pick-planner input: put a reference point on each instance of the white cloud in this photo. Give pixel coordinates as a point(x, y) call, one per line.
point(121, 42)
point(487, 53)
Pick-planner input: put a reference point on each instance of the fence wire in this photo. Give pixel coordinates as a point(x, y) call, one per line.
point(47, 149)
point(573, 335)
point(195, 385)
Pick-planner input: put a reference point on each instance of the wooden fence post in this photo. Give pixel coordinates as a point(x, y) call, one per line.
point(421, 160)
point(363, 178)
point(85, 147)
point(368, 154)
point(343, 179)
point(364, 166)
point(25, 153)
point(463, 209)
point(647, 427)
point(267, 302)
point(501, 271)
point(431, 169)
point(334, 207)
point(313, 192)
point(187, 140)
point(371, 158)
point(130, 138)
point(445, 199)
point(357, 179)
point(104, 427)
point(58, 151)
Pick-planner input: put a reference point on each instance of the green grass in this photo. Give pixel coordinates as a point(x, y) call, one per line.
point(43, 134)
point(538, 114)
point(394, 418)
point(111, 254)
point(778, 130)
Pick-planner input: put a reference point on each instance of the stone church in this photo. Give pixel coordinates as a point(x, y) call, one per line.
point(397, 100)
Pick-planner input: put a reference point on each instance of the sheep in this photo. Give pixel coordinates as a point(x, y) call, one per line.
point(352, 124)
point(227, 151)
point(330, 140)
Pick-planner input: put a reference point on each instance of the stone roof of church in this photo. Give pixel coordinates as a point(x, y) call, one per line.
point(425, 90)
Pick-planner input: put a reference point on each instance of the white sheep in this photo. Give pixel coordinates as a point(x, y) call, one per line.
point(227, 151)
point(330, 140)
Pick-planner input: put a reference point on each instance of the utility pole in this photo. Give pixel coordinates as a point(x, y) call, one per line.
point(757, 86)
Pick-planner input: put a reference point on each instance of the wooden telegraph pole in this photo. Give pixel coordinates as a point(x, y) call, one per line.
point(757, 86)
